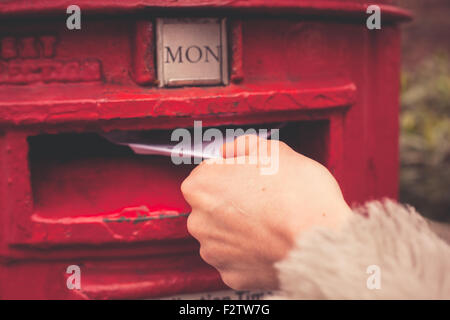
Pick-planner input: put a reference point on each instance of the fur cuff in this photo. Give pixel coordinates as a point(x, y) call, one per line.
point(385, 251)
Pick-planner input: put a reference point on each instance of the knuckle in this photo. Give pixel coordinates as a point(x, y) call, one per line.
point(190, 191)
point(207, 255)
point(192, 225)
point(281, 145)
point(233, 280)
point(194, 181)
point(186, 186)
point(198, 169)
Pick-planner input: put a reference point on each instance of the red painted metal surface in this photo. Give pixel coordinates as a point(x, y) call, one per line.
point(67, 196)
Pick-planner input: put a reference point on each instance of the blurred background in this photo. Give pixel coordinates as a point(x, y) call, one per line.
point(425, 109)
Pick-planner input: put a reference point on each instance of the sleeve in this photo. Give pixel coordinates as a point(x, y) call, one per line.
point(384, 251)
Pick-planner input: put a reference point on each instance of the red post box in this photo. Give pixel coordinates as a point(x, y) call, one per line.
point(70, 197)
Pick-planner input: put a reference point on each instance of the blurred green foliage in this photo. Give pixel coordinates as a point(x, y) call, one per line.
point(425, 137)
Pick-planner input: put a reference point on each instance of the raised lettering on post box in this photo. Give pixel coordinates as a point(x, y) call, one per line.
point(191, 51)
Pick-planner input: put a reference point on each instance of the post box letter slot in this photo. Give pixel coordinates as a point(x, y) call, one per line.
point(87, 190)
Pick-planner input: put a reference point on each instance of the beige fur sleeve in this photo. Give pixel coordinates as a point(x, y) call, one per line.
point(413, 262)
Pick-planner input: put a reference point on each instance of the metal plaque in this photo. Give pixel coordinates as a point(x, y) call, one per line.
point(191, 51)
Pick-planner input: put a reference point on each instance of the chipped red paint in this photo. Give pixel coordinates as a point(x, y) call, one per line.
point(143, 67)
point(237, 73)
point(67, 196)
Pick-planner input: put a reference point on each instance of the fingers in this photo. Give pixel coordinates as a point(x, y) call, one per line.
point(241, 146)
point(245, 145)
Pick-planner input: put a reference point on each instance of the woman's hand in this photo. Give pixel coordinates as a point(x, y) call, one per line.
point(246, 221)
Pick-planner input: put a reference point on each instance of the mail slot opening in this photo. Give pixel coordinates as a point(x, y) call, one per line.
point(82, 176)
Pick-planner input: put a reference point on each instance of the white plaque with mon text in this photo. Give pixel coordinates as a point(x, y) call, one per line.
point(191, 51)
